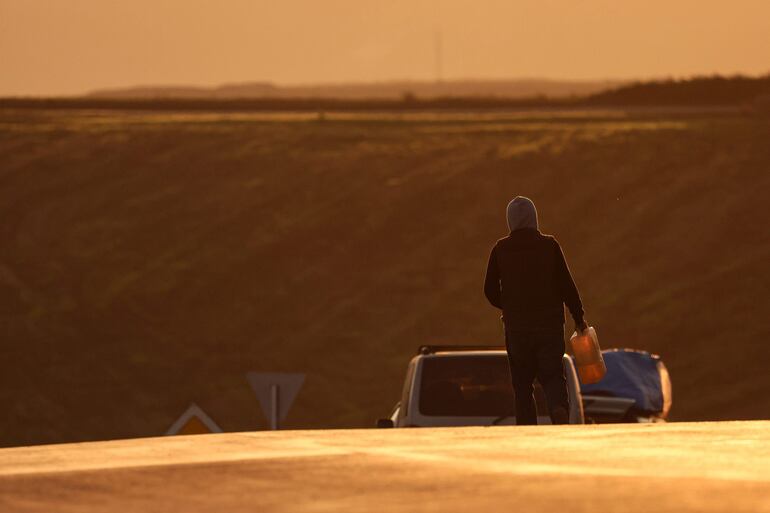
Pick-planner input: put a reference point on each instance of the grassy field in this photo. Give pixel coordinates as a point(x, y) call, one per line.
point(149, 260)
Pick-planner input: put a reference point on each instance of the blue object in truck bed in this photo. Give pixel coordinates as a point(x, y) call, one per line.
point(637, 375)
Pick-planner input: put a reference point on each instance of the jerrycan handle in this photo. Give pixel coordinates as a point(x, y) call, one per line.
point(585, 346)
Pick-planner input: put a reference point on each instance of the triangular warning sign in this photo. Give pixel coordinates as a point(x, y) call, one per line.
point(193, 421)
point(275, 392)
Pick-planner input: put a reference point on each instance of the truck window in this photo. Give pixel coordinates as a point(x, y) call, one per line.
point(470, 386)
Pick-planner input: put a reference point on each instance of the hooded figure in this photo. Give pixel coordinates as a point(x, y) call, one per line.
point(521, 213)
point(529, 280)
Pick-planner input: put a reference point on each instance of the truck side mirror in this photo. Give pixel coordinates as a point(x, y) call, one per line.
point(385, 423)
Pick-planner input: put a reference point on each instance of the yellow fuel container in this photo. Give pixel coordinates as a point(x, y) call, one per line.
point(588, 356)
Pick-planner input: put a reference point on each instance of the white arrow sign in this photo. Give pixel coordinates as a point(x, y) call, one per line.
point(275, 393)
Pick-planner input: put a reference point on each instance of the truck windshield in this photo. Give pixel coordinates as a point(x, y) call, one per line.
point(470, 386)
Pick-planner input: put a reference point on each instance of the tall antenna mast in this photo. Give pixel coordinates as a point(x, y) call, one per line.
point(438, 51)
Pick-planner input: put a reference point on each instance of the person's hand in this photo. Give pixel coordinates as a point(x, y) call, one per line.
point(581, 326)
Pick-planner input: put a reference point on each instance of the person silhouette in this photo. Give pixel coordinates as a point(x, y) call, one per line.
point(529, 280)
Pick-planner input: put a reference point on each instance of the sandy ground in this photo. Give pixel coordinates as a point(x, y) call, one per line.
point(675, 467)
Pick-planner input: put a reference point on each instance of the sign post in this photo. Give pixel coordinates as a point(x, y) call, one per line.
point(276, 393)
point(273, 406)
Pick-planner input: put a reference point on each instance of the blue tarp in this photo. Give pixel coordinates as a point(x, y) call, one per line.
point(632, 374)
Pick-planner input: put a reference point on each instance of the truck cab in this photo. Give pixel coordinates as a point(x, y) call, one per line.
point(469, 386)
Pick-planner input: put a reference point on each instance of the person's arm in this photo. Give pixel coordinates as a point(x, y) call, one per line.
point(492, 281)
point(569, 291)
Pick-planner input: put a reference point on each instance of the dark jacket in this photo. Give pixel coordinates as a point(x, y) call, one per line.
point(528, 279)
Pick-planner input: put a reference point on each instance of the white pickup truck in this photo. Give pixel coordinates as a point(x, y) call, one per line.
point(471, 386)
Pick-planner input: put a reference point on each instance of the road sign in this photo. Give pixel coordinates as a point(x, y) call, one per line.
point(275, 392)
point(193, 421)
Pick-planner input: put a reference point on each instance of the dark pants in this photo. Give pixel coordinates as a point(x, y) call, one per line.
point(538, 354)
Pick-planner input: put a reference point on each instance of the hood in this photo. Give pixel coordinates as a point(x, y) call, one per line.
point(521, 213)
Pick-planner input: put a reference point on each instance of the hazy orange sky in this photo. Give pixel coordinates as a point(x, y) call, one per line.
point(72, 46)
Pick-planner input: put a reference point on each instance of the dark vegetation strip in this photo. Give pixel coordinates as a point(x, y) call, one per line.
point(284, 105)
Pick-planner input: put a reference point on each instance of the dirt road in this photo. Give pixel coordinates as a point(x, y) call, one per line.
point(676, 467)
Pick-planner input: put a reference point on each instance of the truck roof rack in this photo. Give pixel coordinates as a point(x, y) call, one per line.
point(430, 349)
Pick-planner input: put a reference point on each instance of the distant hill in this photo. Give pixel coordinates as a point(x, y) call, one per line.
point(714, 91)
point(697, 91)
point(524, 88)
